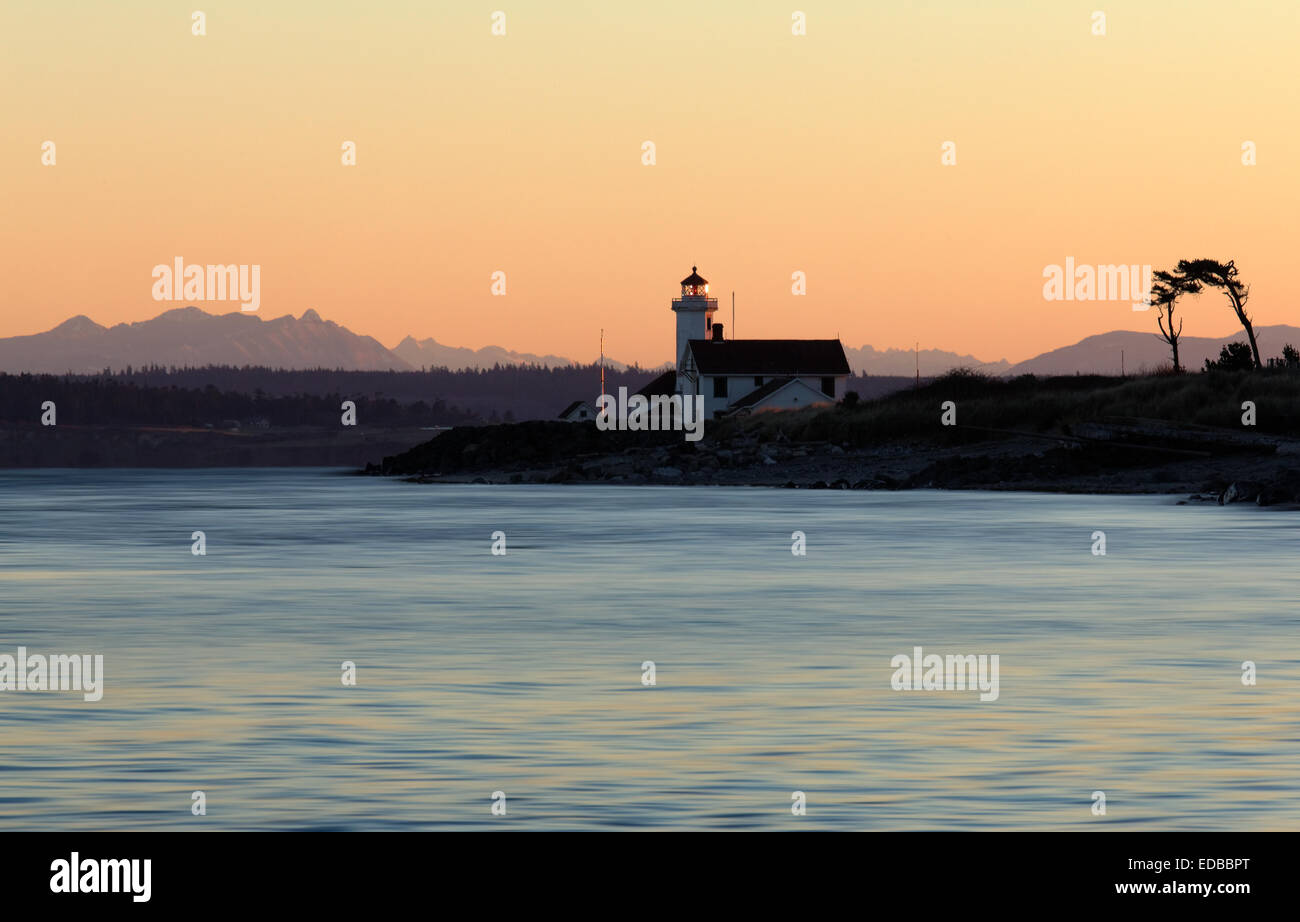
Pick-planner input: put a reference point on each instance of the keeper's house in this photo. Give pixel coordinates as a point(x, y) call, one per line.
point(740, 375)
point(747, 375)
point(580, 411)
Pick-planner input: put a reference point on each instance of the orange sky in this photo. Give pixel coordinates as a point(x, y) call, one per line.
point(775, 153)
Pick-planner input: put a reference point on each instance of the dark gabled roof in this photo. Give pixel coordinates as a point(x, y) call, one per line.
point(665, 384)
point(754, 396)
point(770, 357)
point(570, 408)
point(694, 278)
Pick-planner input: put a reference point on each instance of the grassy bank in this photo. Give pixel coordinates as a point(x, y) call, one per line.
point(1043, 405)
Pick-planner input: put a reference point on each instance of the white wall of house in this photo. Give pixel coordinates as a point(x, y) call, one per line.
point(795, 396)
point(740, 385)
point(841, 385)
point(581, 413)
point(735, 389)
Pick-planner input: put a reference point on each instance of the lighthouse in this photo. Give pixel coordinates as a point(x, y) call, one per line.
point(746, 375)
point(694, 310)
point(741, 376)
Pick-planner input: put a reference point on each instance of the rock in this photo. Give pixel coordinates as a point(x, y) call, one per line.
point(1270, 496)
point(1240, 491)
point(1275, 493)
point(836, 450)
point(767, 460)
point(820, 485)
point(668, 473)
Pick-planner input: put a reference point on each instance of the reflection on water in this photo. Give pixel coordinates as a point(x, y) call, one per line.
point(522, 673)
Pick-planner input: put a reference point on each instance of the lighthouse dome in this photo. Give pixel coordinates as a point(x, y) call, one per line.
point(694, 285)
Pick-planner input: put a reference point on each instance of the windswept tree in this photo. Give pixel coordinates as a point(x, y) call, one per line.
point(1223, 276)
point(1167, 288)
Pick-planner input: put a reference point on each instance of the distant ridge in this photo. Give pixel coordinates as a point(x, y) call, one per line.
point(1100, 354)
point(868, 360)
point(189, 337)
point(429, 353)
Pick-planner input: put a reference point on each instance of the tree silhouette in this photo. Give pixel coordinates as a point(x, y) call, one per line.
point(1232, 357)
point(1224, 276)
point(1165, 292)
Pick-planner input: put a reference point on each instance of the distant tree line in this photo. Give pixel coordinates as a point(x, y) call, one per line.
point(1240, 357)
point(117, 401)
point(500, 393)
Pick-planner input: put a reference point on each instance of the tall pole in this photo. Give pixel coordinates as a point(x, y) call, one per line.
point(917, 352)
point(602, 361)
point(733, 315)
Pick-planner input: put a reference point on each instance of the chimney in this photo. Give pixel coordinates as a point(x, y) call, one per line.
point(717, 332)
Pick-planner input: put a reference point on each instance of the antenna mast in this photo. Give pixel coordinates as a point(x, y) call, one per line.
point(602, 361)
point(733, 315)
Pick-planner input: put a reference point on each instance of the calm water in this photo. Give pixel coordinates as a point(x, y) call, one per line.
point(479, 673)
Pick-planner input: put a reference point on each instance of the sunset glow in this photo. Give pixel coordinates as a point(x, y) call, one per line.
point(774, 153)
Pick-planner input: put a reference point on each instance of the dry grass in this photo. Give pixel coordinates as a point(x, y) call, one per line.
point(1036, 404)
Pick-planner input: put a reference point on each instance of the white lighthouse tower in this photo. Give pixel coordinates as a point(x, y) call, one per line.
point(694, 310)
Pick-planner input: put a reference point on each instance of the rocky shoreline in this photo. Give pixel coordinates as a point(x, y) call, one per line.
point(1220, 470)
